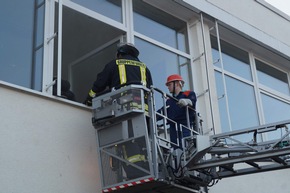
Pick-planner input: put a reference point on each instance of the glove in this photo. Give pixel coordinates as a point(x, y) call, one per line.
point(92, 94)
point(89, 98)
point(88, 101)
point(184, 102)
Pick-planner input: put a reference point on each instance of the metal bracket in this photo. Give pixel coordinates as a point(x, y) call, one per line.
point(201, 94)
point(50, 38)
point(198, 57)
point(49, 85)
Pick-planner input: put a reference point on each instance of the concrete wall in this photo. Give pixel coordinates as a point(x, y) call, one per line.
point(46, 145)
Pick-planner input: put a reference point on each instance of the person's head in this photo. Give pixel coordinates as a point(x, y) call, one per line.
point(127, 49)
point(174, 83)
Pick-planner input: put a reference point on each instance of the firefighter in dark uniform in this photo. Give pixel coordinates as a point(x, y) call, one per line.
point(125, 69)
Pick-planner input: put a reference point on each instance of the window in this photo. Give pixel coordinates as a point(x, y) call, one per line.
point(160, 26)
point(87, 45)
point(21, 37)
point(169, 63)
point(241, 112)
point(109, 8)
point(275, 110)
point(237, 102)
point(250, 91)
point(234, 60)
point(272, 77)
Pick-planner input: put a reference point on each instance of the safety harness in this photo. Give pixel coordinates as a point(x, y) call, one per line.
point(122, 70)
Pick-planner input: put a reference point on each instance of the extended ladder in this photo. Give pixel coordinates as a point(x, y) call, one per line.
point(245, 151)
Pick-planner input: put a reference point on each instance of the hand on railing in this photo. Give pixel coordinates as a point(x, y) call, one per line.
point(184, 102)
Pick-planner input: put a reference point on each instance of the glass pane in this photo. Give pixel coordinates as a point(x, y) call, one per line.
point(236, 66)
point(40, 26)
point(242, 104)
point(234, 59)
point(40, 1)
point(272, 77)
point(160, 67)
point(275, 110)
point(182, 41)
point(109, 8)
point(37, 84)
point(184, 72)
point(167, 64)
point(160, 26)
point(16, 37)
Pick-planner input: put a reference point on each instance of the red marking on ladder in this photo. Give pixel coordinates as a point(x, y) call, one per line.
point(128, 185)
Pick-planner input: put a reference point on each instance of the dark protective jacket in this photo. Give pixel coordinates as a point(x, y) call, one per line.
point(178, 114)
point(125, 70)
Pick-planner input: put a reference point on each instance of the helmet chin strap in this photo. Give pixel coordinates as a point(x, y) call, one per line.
point(173, 92)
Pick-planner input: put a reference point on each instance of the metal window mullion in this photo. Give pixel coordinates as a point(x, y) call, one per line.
point(191, 58)
point(207, 71)
point(48, 46)
point(257, 90)
point(33, 65)
point(288, 78)
point(223, 75)
point(128, 20)
point(59, 54)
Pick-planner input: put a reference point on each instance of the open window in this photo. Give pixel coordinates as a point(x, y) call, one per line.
point(87, 45)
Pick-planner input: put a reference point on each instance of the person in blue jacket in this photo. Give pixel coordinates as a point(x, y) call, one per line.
point(176, 109)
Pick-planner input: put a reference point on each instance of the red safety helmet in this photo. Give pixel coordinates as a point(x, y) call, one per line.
point(174, 77)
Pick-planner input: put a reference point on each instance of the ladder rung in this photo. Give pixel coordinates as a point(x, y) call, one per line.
point(254, 165)
point(279, 160)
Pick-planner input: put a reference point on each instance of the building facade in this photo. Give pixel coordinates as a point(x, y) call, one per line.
point(234, 54)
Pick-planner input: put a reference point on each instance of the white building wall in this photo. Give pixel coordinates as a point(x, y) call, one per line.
point(250, 18)
point(46, 145)
point(257, 16)
point(207, 109)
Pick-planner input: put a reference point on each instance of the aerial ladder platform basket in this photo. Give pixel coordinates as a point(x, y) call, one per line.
point(136, 155)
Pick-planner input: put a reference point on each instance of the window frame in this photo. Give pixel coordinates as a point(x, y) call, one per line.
point(263, 54)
